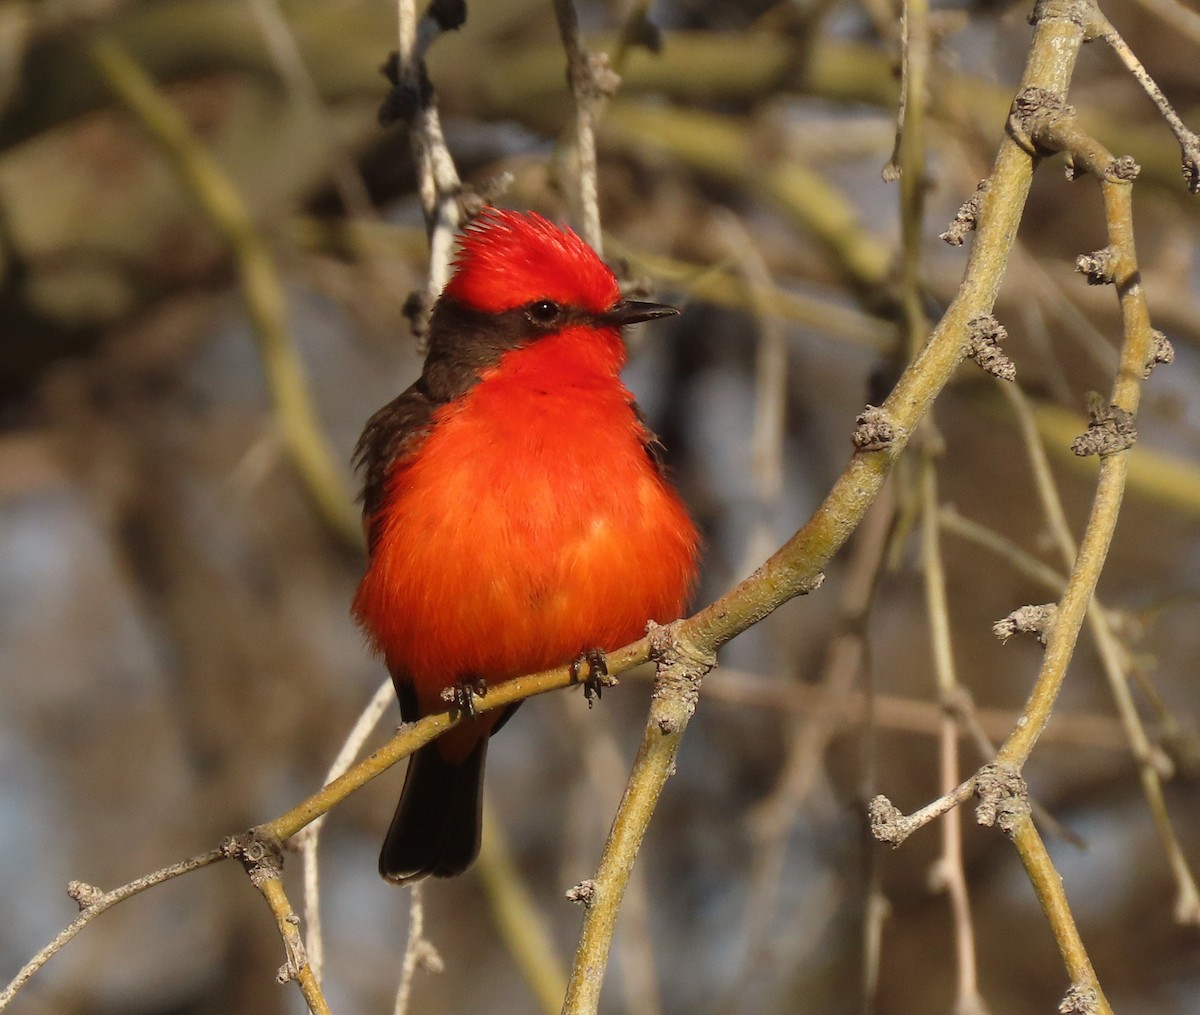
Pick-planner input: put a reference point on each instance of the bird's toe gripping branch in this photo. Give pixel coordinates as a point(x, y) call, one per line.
point(461, 696)
point(597, 673)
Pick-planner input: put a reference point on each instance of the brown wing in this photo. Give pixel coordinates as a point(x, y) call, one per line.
point(394, 432)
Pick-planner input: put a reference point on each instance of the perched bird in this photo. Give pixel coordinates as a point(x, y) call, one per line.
point(518, 516)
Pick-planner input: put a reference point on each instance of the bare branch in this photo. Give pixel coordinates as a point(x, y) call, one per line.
point(1189, 140)
point(309, 839)
point(681, 666)
point(412, 99)
point(419, 952)
point(591, 80)
point(93, 902)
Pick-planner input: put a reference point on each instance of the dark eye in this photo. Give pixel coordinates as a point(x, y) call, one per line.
point(543, 312)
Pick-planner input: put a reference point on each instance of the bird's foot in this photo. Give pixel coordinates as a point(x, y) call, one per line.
point(462, 695)
point(597, 673)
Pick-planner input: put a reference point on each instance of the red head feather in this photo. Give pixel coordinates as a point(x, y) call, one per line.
point(507, 259)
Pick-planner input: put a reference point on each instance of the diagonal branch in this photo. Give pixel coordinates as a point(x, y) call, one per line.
point(1189, 140)
point(93, 902)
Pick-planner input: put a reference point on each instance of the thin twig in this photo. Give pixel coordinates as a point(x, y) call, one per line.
point(1112, 657)
point(439, 184)
point(951, 874)
point(309, 840)
point(92, 903)
point(909, 163)
point(591, 79)
point(1171, 480)
point(636, 29)
point(419, 952)
point(414, 735)
point(890, 824)
point(877, 910)
point(971, 723)
point(1189, 141)
point(1002, 548)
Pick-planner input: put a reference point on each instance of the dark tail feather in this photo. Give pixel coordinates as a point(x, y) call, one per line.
point(437, 827)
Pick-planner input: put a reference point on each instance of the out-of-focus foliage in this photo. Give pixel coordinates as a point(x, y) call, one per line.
point(177, 661)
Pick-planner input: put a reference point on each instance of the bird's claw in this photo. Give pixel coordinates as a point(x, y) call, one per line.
point(465, 692)
point(597, 673)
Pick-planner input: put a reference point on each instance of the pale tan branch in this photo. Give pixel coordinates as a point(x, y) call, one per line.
point(92, 902)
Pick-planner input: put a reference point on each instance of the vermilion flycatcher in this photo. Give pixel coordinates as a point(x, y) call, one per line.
point(517, 511)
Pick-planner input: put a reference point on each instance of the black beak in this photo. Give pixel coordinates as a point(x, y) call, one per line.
point(635, 311)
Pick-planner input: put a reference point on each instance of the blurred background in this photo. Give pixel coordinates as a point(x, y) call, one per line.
point(177, 660)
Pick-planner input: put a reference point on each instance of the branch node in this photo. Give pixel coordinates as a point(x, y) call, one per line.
point(984, 335)
point(590, 74)
point(84, 894)
point(1033, 111)
point(681, 666)
point(874, 430)
point(1075, 11)
point(429, 958)
point(583, 894)
point(1163, 352)
point(1100, 266)
point(966, 218)
point(260, 854)
point(605, 82)
point(1110, 431)
point(1036, 620)
point(412, 91)
point(1080, 1000)
point(1003, 797)
point(1122, 170)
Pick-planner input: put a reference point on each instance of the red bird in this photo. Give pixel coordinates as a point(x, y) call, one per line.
point(517, 513)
